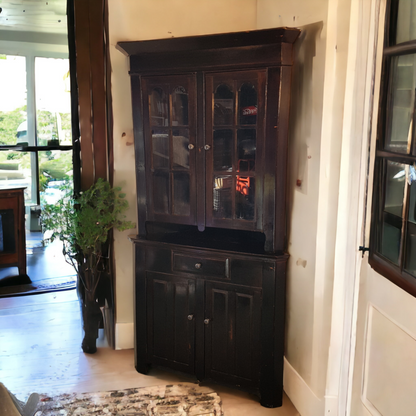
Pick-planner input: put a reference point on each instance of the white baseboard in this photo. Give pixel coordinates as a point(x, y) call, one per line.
point(124, 336)
point(300, 394)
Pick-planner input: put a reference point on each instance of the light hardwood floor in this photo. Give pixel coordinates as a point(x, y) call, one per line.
point(40, 338)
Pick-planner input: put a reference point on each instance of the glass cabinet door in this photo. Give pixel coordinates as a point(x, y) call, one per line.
point(233, 149)
point(169, 125)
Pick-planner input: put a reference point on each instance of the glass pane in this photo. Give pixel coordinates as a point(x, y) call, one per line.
point(410, 262)
point(180, 142)
point(55, 175)
point(402, 89)
point(406, 21)
point(160, 149)
point(246, 150)
point(53, 102)
point(16, 172)
point(248, 104)
point(412, 202)
point(395, 182)
point(13, 127)
point(244, 198)
point(181, 204)
point(158, 108)
point(223, 150)
point(390, 246)
point(180, 107)
point(161, 192)
point(222, 201)
point(223, 105)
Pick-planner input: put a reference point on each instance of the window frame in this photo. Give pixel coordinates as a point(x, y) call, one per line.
point(382, 265)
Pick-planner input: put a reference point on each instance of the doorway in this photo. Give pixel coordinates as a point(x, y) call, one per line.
point(36, 154)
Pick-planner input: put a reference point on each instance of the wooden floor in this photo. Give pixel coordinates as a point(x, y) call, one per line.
point(40, 338)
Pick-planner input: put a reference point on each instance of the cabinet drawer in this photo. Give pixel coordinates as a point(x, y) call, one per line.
point(200, 265)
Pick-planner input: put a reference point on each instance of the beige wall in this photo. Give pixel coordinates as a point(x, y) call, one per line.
point(307, 292)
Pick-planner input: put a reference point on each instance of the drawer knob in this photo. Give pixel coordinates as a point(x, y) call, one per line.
point(198, 265)
point(207, 147)
point(206, 321)
point(190, 146)
point(190, 317)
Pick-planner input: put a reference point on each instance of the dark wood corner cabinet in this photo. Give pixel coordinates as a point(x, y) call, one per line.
point(211, 125)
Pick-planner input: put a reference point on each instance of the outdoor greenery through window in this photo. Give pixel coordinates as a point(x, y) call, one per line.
point(35, 127)
point(393, 237)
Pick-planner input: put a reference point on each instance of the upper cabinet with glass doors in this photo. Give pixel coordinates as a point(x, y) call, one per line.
point(211, 124)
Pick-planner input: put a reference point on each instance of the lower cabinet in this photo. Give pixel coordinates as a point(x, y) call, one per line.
point(216, 314)
point(232, 333)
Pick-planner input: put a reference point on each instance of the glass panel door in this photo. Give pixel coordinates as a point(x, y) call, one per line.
point(234, 128)
point(170, 135)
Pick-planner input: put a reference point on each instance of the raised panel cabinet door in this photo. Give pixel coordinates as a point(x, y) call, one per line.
point(232, 333)
point(170, 321)
point(233, 149)
point(169, 123)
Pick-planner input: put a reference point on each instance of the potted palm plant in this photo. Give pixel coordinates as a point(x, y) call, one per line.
point(83, 225)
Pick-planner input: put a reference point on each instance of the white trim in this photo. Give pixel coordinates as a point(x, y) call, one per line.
point(124, 336)
point(358, 109)
point(301, 395)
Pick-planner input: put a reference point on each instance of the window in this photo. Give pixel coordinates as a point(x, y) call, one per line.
point(35, 126)
point(393, 231)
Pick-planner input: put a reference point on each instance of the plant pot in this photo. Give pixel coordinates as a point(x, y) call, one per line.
point(91, 317)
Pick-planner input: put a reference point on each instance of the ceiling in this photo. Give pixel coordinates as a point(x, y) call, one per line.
point(43, 16)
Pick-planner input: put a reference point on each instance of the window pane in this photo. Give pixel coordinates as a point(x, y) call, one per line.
point(246, 150)
point(393, 211)
point(13, 100)
point(222, 201)
point(223, 105)
point(406, 21)
point(160, 149)
point(161, 192)
point(223, 150)
point(158, 108)
point(395, 182)
point(16, 172)
point(410, 262)
point(53, 101)
point(402, 90)
point(412, 203)
point(245, 198)
point(181, 194)
point(180, 143)
point(248, 104)
point(55, 175)
point(180, 107)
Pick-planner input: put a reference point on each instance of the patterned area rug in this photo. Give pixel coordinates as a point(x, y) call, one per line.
point(184, 399)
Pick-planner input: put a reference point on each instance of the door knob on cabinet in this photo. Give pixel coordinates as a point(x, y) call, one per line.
point(190, 146)
point(206, 321)
point(198, 265)
point(207, 147)
point(190, 317)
